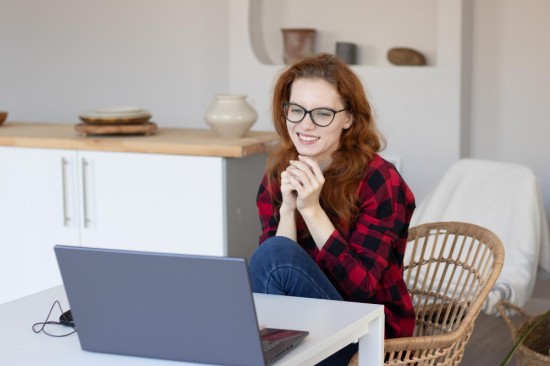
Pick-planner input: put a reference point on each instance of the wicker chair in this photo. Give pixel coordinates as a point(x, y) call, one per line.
point(450, 267)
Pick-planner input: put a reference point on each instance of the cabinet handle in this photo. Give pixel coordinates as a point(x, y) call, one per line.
point(85, 193)
point(66, 217)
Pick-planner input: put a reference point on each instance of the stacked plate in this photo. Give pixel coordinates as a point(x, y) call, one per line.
point(116, 121)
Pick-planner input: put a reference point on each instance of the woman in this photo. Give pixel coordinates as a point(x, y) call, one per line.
point(334, 214)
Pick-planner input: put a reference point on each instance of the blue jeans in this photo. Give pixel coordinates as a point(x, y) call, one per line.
point(280, 266)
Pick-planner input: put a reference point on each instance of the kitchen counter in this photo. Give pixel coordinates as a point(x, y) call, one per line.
point(178, 141)
point(176, 191)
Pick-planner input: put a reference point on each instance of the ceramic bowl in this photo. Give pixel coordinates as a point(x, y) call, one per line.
point(3, 116)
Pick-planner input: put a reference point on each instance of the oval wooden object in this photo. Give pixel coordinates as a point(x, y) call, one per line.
point(115, 121)
point(406, 56)
point(137, 129)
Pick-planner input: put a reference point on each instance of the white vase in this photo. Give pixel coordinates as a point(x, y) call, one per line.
point(230, 116)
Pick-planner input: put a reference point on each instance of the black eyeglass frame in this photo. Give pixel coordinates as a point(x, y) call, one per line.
point(286, 105)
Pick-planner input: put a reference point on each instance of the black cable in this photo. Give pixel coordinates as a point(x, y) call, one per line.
point(50, 322)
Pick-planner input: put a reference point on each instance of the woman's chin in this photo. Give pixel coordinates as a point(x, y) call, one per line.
point(305, 151)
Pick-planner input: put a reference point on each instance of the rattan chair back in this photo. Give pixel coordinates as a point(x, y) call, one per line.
point(449, 269)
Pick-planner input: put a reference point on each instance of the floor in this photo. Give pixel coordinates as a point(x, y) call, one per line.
point(492, 339)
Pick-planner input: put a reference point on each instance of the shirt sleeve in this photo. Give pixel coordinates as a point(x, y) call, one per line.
point(371, 257)
point(268, 217)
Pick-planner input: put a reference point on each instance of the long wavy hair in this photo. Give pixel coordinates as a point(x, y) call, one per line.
point(358, 143)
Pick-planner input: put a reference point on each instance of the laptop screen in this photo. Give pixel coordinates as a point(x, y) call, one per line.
point(169, 306)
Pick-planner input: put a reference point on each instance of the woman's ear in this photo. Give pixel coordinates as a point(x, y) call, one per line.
point(349, 120)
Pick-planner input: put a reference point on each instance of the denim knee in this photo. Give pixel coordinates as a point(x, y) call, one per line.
point(274, 257)
point(276, 250)
point(280, 266)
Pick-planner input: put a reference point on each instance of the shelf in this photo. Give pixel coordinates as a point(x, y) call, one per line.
point(374, 25)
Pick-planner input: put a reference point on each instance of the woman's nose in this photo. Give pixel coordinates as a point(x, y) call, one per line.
point(307, 122)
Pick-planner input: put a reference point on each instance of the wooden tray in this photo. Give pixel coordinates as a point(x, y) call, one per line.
point(135, 129)
point(115, 121)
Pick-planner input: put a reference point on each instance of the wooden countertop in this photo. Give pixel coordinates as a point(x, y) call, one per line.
point(179, 141)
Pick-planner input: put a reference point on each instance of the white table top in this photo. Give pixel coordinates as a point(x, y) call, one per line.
point(332, 325)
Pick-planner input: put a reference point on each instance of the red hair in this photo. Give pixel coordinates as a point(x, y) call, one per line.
point(358, 143)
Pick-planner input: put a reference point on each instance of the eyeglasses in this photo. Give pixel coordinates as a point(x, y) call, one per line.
point(322, 117)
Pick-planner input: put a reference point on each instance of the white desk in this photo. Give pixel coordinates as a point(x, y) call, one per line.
point(332, 325)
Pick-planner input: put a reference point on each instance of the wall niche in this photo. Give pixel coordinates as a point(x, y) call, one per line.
point(375, 26)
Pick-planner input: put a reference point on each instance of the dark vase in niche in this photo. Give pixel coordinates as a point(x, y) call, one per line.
point(347, 52)
point(298, 44)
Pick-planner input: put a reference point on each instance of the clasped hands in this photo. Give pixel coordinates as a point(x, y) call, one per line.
point(301, 185)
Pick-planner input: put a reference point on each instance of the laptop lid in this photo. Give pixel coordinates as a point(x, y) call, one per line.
point(159, 305)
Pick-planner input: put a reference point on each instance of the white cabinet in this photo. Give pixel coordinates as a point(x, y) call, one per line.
point(155, 202)
point(32, 219)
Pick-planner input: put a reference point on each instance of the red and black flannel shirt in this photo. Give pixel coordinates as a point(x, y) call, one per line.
point(365, 264)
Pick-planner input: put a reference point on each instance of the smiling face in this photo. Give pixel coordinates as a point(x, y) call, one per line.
point(309, 139)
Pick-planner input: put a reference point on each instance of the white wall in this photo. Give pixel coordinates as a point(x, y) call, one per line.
point(59, 58)
point(486, 97)
point(412, 104)
point(374, 26)
point(510, 105)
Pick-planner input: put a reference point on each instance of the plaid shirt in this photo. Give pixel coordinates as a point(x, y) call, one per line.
point(365, 264)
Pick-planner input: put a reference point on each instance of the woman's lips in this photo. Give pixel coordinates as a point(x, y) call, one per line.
point(307, 139)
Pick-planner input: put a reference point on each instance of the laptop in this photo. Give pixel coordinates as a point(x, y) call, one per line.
point(168, 306)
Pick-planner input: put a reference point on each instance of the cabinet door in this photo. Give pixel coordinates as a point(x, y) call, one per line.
point(152, 202)
point(37, 211)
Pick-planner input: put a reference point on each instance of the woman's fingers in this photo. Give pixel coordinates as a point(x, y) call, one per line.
point(309, 176)
point(288, 191)
point(314, 166)
point(286, 182)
